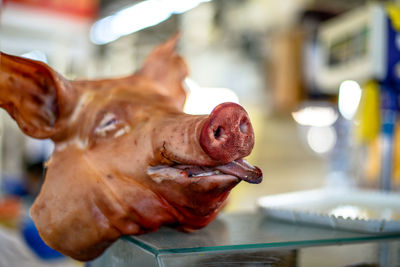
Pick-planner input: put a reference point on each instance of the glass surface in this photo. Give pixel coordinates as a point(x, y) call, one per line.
point(247, 231)
point(371, 254)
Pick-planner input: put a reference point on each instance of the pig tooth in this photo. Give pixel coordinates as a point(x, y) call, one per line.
point(206, 174)
point(194, 170)
point(161, 173)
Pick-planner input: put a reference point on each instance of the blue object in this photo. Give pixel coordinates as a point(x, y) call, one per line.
point(12, 185)
point(36, 243)
point(390, 107)
point(392, 55)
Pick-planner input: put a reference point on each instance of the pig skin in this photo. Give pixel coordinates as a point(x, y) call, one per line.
point(119, 145)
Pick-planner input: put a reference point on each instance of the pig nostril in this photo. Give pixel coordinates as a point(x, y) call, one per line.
point(227, 134)
point(244, 126)
point(218, 132)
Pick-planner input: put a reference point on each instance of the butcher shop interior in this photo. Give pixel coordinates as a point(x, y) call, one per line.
point(199, 133)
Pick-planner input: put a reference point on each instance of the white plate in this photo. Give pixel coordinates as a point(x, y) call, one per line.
point(357, 210)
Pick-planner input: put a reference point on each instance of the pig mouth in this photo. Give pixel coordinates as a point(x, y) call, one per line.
point(240, 169)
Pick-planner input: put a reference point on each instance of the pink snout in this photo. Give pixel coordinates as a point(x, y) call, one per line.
point(227, 134)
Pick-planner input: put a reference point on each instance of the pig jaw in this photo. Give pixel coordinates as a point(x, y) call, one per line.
point(196, 174)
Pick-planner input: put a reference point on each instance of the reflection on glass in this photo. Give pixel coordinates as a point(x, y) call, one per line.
point(315, 116)
point(321, 139)
point(349, 98)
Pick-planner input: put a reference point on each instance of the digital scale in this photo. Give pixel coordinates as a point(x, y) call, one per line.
point(364, 46)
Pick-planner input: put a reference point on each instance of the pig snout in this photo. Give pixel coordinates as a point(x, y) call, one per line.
point(227, 133)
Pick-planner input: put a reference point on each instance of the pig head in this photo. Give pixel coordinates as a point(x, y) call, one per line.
point(127, 160)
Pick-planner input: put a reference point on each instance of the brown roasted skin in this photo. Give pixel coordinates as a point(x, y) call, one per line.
point(116, 141)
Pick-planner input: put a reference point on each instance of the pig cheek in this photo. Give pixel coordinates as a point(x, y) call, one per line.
point(125, 154)
point(198, 197)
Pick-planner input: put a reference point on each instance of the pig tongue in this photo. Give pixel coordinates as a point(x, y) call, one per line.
point(239, 168)
point(243, 170)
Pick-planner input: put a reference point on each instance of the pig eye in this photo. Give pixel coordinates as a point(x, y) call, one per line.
point(108, 124)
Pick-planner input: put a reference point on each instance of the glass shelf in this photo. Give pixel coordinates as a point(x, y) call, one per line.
point(245, 231)
point(229, 233)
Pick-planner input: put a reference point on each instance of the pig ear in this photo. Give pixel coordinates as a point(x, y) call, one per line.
point(34, 95)
point(165, 66)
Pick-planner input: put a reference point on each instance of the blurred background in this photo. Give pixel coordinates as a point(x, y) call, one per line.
point(318, 78)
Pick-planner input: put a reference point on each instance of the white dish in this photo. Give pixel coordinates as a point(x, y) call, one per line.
point(356, 210)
